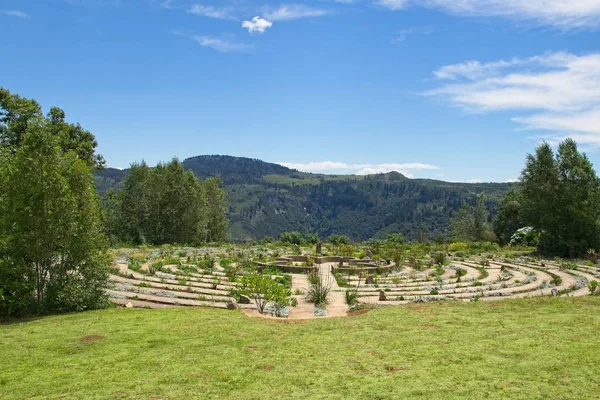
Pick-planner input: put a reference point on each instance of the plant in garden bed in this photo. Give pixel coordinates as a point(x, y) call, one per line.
point(483, 273)
point(351, 296)
point(319, 291)
point(438, 258)
point(593, 287)
point(460, 272)
point(264, 290)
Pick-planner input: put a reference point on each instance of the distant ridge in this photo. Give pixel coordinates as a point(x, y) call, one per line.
point(267, 199)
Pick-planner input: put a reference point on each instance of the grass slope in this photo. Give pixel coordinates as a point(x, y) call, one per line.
point(518, 349)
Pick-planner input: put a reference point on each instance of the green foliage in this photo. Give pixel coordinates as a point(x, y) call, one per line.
point(351, 296)
point(18, 114)
point(264, 290)
point(358, 207)
point(471, 223)
point(558, 195)
point(338, 240)
point(166, 204)
point(508, 217)
point(294, 238)
point(393, 248)
point(319, 291)
point(593, 287)
point(53, 250)
point(526, 236)
point(439, 257)
point(460, 272)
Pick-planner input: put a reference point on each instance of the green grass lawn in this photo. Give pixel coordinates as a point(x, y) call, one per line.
point(519, 349)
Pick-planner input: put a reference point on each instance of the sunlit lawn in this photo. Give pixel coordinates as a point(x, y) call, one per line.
point(529, 349)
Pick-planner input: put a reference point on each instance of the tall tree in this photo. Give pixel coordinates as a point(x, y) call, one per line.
point(471, 223)
point(167, 204)
point(559, 196)
point(54, 252)
point(18, 113)
point(508, 217)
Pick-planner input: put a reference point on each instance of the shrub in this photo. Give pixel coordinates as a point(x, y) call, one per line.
point(313, 277)
point(264, 290)
point(460, 272)
point(319, 291)
point(593, 256)
point(593, 287)
point(352, 296)
point(439, 257)
point(526, 236)
point(458, 247)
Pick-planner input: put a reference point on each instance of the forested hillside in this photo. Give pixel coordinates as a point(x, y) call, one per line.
point(266, 199)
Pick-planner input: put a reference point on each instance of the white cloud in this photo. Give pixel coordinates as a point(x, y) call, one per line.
point(358, 169)
point(402, 35)
point(14, 13)
point(564, 14)
point(222, 44)
point(210, 11)
point(257, 24)
point(556, 92)
point(293, 11)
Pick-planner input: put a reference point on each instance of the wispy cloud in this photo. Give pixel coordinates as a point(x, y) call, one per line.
point(358, 169)
point(223, 44)
point(563, 14)
point(257, 24)
point(402, 35)
point(15, 13)
point(557, 92)
point(292, 11)
point(211, 12)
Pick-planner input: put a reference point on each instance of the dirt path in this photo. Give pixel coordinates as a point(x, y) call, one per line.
point(336, 306)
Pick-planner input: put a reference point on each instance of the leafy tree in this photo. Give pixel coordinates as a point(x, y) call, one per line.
point(560, 196)
point(217, 205)
point(54, 251)
point(312, 238)
point(393, 248)
point(294, 238)
point(166, 204)
point(18, 113)
point(508, 217)
point(338, 240)
point(471, 223)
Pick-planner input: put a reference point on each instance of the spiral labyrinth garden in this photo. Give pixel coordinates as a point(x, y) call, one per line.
point(209, 279)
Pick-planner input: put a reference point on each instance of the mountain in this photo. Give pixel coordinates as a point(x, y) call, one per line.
point(266, 199)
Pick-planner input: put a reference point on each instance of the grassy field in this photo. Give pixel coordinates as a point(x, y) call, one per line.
point(519, 349)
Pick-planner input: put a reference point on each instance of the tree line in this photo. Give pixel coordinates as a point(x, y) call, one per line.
point(166, 204)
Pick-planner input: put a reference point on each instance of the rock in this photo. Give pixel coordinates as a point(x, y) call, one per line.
point(369, 280)
point(129, 305)
point(369, 254)
point(554, 292)
point(232, 305)
point(319, 312)
point(245, 299)
point(382, 296)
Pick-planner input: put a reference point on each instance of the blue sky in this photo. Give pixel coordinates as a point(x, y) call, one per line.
point(457, 90)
